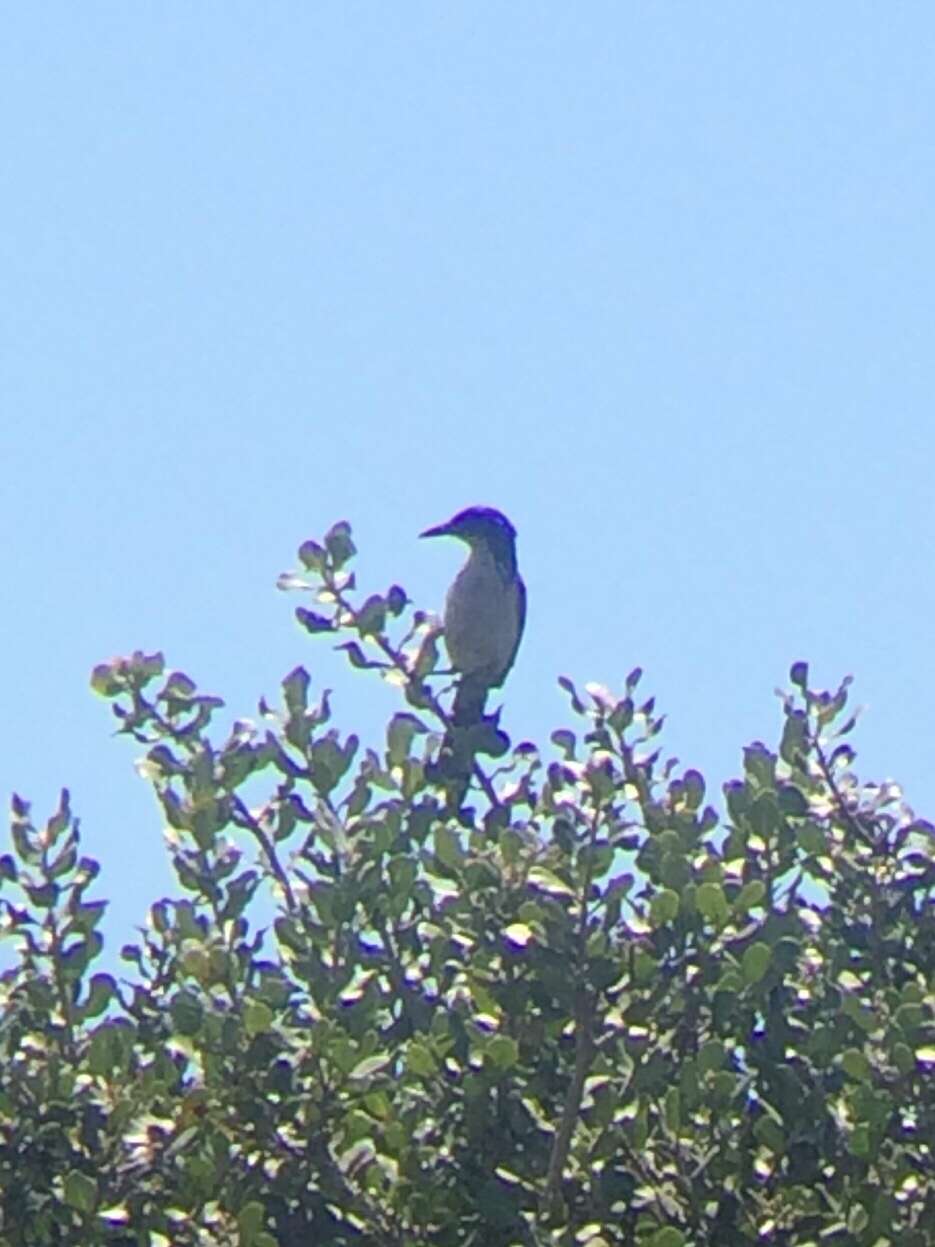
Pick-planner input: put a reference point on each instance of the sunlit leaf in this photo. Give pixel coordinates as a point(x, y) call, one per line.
point(547, 881)
point(80, 1191)
point(755, 962)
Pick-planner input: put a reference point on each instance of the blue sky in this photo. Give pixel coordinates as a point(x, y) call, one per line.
point(655, 279)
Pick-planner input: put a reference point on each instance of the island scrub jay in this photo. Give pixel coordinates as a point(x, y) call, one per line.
point(484, 612)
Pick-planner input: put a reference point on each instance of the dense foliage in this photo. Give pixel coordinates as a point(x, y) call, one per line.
point(590, 1011)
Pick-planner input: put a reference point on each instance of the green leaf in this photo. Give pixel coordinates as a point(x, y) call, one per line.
point(694, 788)
point(144, 667)
point(760, 765)
point(811, 838)
point(712, 903)
point(59, 820)
point(43, 896)
point(295, 690)
point(118, 1214)
point(667, 1237)
point(519, 933)
point(371, 618)
point(338, 543)
point(576, 703)
point(769, 1133)
point(755, 962)
point(855, 1065)
point(403, 872)
point(589, 1235)
point(110, 1049)
point(503, 1051)
point(312, 622)
point(179, 687)
point(598, 860)
point(601, 780)
point(798, 675)
point(737, 796)
point(859, 1013)
point(750, 896)
point(101, 990)
point(107, 680)
point(859, 1140)
point(64, 862)
point(511, 845)
point(791, 801)
point(909, 1017)
point(421, 1060)
point(564, 740)
point(830, 705)
point(902, 1058)
point(448, 848)
point(548, 882)
point(765, 816)
point(206, 823)
point(357, 658)
point(257, 1018)
point(674, 871)
point(723, 1087)
point(396, 599)
point(312, 556)
point(78, 955)
point(645, 966)
point(793, 745)
point(664, 907)
point(187, 1013)
point(399, 736)
point(80, 1191)
point(857, 1219)
point(249, 1221)
point(712, 1055)
point(371, 1065)
point(427, 657)
point(329, 760)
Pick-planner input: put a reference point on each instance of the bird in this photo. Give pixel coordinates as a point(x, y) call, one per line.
point(485, 612)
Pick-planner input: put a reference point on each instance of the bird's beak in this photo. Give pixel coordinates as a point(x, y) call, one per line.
point(440, 530)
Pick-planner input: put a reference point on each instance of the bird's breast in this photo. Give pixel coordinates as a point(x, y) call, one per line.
point(482, 619)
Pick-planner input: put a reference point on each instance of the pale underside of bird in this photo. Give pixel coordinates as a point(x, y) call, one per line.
point(485, 611)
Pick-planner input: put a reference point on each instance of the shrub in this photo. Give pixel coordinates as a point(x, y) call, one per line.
point(590, 1011)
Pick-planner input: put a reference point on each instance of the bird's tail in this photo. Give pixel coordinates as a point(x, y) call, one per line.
point(457, 753)
point(469, 701)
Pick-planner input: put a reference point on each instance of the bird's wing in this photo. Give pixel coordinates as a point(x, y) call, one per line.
point(520, 623)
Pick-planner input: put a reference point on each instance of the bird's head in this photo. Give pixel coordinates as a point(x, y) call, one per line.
point(475, 525)
point(481, 528)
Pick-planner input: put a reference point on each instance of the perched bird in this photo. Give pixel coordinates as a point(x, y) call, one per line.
point(485, 610)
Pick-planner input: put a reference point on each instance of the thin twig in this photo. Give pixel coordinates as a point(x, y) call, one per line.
point(584, 1042)
point(584, 1048)
point(252, 825)
point(851, 819)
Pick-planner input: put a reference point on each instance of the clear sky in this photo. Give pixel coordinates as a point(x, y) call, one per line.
point(654, 278)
